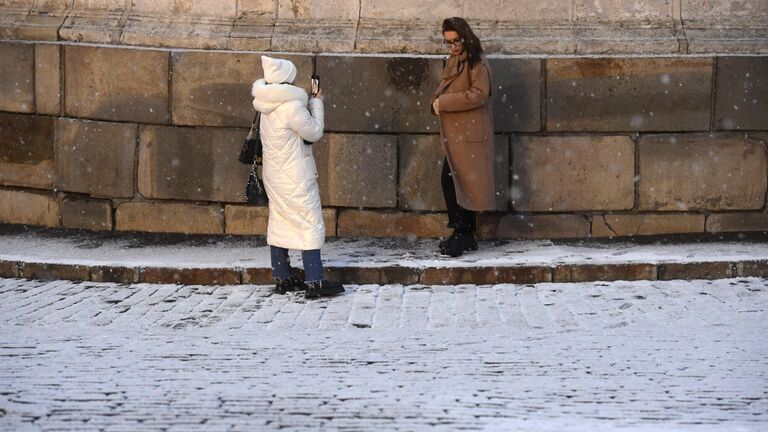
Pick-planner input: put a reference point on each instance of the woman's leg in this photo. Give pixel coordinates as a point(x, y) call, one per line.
point(313, 265)
point(281, 263)
point(459, 218)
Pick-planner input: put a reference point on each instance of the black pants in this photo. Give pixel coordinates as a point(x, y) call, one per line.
point(459, 218)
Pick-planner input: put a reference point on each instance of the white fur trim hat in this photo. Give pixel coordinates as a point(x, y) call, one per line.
point(278, 71)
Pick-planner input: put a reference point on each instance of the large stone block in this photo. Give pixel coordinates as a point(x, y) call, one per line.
point(742, 93)
point(29, 208)
point(170, 218)
point(253, 26)
point(364, 223)
point(646, 224)
point(641, 94)
point(95, 21)
point(520, 226)
point(737, 222)
point(48, 79)
point(316, 26)
point(116, 84)
point(95, 158)
point(214, 89)
point(252, 220)
point(357, 170)
point(198, 164)
point(420, 170)
point(26, 151)
point(701, 172)
point(32, 20)
point(17, 68)
point(572, 173)
point(649, 11)
point(87, 214)
point(516, 94)
point(604, 272)
point(180, 23)
point(379, 94)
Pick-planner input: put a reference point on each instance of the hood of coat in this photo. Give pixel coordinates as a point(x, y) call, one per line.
point(267, 97)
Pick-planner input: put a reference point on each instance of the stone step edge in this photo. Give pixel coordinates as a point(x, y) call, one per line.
point(525, 274)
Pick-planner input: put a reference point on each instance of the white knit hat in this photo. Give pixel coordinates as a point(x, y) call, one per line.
point(278, 71)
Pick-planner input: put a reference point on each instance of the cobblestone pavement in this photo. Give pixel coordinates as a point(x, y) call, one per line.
point(644, 356)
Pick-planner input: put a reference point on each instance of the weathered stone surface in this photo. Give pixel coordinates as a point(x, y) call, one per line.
point(752, 269)
point(516, 94)
point(214, 89)
point(30, 208)
point(572, 173)
point(257, 276)
point(32, 20)
point(520, 226)
point(197, 164)
point(357, 170)
point(253, 26)
point(641, 94)
point(170, 217)
point(649, 224)
point(742, 93)
point(737, 222)
point(702, 270)
point(316, 26)
point(116, 84)
point(49, 271)
point(17, 88)
point(180, 23)
point(701, 172)
point(485, 275)
point(190, 276)
point(252, 220)
point(115, 274)
point(48, 79)
point(363, 223)
point(26, 151)
point(96, 158)
point(373, 275)
point(9, 269)
point(379, 94)
point(726, 26)
point(606, 272)
point(95, 21)
point(86, 214)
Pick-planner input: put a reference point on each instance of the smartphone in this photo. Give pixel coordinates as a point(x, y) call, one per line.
point(315, 84)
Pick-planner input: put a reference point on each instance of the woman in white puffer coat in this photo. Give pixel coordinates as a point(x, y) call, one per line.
point(290, 177)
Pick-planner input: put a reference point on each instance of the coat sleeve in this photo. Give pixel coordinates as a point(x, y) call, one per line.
point(476, 96)
point(308, 125)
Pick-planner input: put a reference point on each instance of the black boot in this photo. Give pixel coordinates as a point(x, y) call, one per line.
point(323, 289)
point(458, 244)
point(293, 283)
point(450, 239)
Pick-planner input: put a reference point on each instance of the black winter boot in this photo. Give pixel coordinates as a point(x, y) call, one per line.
point(450, 239)
point(459, 243)
point(293, 283)
point(323, 289)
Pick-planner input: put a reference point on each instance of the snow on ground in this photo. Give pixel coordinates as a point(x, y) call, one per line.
point(628, 356)
point(206, 252)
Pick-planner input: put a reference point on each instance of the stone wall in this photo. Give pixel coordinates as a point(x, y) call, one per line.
point(612, 118)
point(122, 138)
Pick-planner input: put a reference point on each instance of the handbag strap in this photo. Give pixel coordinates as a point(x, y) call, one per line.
point(255, 123)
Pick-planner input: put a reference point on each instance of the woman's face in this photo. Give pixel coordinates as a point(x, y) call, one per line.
point(453, 42)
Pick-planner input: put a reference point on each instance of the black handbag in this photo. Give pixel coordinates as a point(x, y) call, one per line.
point(252, 150)
point(254, 189)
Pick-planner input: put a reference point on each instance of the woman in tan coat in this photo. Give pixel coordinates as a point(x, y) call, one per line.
point(462, 102)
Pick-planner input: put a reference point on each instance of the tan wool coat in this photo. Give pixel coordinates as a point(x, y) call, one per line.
point(466, 128)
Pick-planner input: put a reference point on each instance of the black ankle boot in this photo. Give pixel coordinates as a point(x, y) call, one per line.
point(323, 289)
point(293, 283)
point(458, 244)
point(450, 239)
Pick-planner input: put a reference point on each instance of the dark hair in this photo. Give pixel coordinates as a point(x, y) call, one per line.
point(471, 42)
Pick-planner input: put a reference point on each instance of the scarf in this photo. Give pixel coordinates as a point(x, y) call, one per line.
point(454, 65)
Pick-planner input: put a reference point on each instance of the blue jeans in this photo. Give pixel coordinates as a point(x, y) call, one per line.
point(281, 264)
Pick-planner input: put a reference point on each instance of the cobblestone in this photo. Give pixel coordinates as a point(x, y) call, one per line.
point(641, 355)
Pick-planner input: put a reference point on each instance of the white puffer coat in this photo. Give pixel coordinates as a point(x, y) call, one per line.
point(290, 174)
